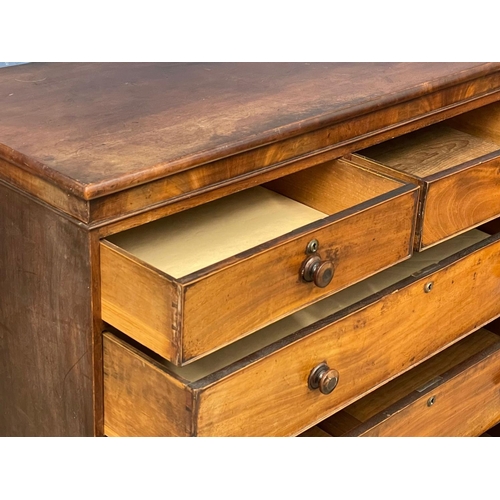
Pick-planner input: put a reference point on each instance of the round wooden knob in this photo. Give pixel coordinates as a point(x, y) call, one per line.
point(323, 378)
point(317, 270)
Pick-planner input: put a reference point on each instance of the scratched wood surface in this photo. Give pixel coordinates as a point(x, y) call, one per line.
point(97, 128)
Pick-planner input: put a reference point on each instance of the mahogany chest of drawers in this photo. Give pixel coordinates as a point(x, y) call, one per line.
point(249, 249)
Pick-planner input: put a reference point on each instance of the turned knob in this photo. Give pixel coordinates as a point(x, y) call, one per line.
point(317, 270)
point(323, 378)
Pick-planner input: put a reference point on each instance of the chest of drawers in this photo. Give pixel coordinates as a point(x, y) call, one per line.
point(247, 249)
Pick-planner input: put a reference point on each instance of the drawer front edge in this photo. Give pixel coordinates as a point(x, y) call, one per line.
point(141, 302)
point(461, 201)
point(465, 403)
point(139, 398)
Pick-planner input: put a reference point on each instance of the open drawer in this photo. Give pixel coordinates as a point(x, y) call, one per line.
point(290, 375)
point(193, 282)
point(457, 164)
point(455, 393)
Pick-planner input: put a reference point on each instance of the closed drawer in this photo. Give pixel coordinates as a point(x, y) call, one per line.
point(260, 385)
point(457, 164)
point(195, 281)
point(455, 393)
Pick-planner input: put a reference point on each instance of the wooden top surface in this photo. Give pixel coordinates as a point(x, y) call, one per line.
point(94, 129)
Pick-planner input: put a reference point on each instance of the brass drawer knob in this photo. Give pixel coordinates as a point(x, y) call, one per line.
point(317, 270)
point(323, 378)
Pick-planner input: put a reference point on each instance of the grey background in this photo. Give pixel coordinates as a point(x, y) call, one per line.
point(10, 64)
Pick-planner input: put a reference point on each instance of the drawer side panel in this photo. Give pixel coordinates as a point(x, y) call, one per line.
point(139, 399)
point(140, 301)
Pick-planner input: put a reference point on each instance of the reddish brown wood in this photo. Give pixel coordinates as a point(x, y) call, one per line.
point(46, 349)
point(118, 145)
point(99, 128)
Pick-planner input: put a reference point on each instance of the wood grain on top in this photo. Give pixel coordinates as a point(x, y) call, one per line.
point(97, 128)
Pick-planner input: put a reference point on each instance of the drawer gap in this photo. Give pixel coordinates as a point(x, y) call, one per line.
point(483, 123)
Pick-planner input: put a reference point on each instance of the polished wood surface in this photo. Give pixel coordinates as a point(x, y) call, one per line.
point(45, 190)
point(423, 375)
point(131, 137)
point(369, 343)
point(462, 382)
point(242, 293)
point(87, 131)
point(46, 342)
point(461, 200)
point(256, 166)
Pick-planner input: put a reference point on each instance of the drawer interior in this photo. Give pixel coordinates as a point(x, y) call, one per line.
point(435, 149)
point(320, 310)
point(483, 123)
point(418, 380)
point(430, 151)
point(186, 242)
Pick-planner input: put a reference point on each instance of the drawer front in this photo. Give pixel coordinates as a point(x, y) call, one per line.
point(268, 393)
point(463, 401)
point(463, 199)
point(458, 170)
point(187, 318)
